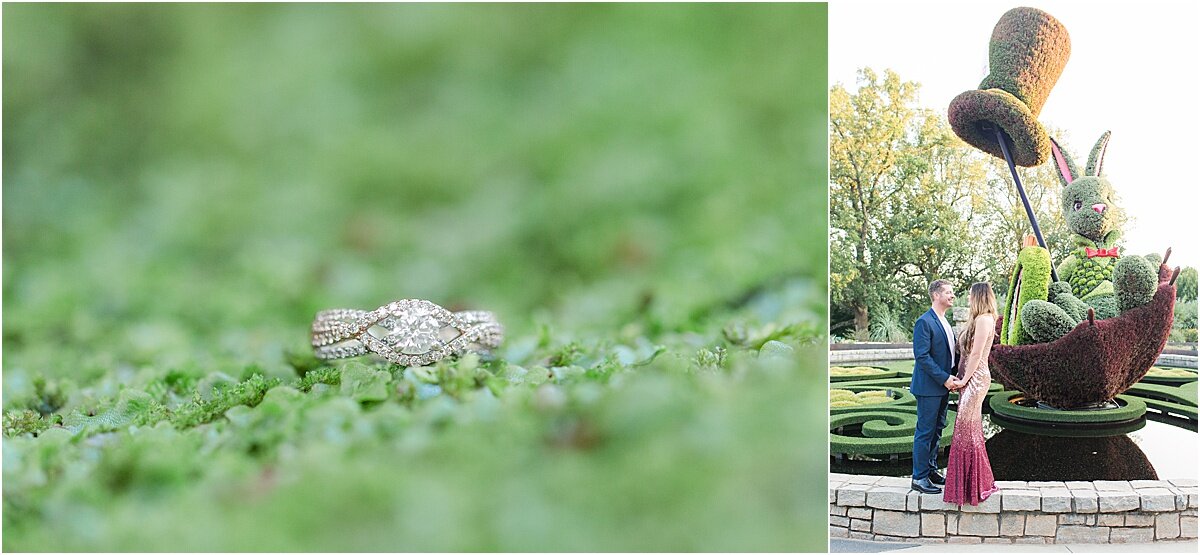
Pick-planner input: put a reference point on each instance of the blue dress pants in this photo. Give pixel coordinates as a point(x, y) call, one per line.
point(931, 419)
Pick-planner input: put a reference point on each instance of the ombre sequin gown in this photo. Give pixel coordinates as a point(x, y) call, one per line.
point(969, 477)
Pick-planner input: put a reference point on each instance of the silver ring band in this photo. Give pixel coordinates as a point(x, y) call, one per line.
point(410, 332)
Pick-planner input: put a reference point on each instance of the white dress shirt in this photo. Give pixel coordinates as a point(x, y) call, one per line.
point(949, 335)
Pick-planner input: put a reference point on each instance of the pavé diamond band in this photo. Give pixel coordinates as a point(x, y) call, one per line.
point(411, 332)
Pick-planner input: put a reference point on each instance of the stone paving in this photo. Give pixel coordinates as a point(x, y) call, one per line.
point(882, 508)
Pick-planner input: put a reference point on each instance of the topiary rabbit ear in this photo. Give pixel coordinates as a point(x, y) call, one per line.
point(1067, 172)
point(1096, 158)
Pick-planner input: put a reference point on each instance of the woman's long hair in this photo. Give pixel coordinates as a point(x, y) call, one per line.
point(982, 301)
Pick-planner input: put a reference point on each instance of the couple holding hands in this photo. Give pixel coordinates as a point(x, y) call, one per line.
point(940, 370)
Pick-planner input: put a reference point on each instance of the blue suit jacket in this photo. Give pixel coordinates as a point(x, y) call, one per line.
point(934, 362)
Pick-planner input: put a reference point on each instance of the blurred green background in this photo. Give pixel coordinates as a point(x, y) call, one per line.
point(637, 190)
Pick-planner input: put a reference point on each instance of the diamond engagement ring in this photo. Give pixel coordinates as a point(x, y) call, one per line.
point(410, 332)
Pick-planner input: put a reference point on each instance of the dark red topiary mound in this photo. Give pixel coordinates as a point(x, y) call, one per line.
point(1095, 361)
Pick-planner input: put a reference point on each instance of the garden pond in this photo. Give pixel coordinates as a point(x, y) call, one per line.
point(1152, 435)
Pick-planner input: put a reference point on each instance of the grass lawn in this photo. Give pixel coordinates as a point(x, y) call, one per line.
point(637, 191)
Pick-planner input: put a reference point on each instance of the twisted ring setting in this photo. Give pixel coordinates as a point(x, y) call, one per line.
point(409, 332)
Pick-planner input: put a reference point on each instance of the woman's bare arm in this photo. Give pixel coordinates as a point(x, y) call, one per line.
point(981, 345)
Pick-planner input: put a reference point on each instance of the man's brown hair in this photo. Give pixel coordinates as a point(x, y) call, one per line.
point(936, 286)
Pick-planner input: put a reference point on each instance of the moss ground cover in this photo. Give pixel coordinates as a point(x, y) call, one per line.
point(630, 188)
point(854, 373)
point(1161, 372)
point(849, 398)
point(1169, 376)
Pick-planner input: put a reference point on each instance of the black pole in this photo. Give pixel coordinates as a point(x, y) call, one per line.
point(1037, 231)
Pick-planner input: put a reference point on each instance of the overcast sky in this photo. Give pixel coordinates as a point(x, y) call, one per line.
point(1133, 70)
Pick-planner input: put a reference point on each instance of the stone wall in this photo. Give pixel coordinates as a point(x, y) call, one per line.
point(884, 509)
point(863, 355)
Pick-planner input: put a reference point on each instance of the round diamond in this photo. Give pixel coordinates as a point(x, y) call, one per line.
point(415, 330)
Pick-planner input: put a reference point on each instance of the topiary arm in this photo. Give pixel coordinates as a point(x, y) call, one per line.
point(1067, 267)
point(1030, 281)
point(1104, 289)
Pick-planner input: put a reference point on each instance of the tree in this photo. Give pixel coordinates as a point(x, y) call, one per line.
point(897, 175)
point(1185, 284)
point(1000, 217)
point(910, 202)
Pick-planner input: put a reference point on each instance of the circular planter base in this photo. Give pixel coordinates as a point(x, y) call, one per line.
point(1011, 409)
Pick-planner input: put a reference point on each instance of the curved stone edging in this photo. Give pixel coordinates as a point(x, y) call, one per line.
point(882, 508)
point(864, 355)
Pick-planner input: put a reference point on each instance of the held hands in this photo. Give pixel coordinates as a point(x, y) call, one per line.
point(953, 384)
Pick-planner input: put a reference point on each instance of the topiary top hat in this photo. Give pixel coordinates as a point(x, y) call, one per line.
point(1027, 53)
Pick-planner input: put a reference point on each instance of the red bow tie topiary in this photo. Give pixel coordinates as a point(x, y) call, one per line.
point(1109, 252)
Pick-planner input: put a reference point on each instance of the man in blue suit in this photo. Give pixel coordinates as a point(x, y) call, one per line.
point(935, 353)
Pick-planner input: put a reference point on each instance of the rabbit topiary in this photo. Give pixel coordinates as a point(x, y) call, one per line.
point(1094, 275)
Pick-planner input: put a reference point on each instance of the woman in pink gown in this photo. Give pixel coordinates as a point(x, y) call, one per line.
point(969, 474)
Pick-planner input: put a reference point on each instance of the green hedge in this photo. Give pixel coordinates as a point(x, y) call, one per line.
point(1131, 408)
point(1169, 376)
point(900, 397)
point(844, 376)
point(897, 382)
point(885, 431)
point(1171, 400)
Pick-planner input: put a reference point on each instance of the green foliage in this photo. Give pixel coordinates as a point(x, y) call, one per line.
point(1108, 284)
point(201, 410)
point(1028, 50)
point(892, 167)
point(842, 398)
point(1031, 281)
point(886, 327)
point(867, 395)
point(1130, 409)
point(1169, 376)
point(1183, 329)
point(1095, 164)
point(364, 384)
point(910, 203)
point(1185, 314)
point(1077, 201)
point(884, 431)
point(1135, 281)
point(48, 396)
point(1092, 277)
point(1027, 53)
point(1185, 284)
point(24, 421)
point(326, 375)
point(1060, 294)
point(856, 373)
point(186, 185)
point(1044, 321)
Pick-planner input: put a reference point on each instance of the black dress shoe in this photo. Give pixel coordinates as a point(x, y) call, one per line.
point(937, 478)
point(924, 486)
